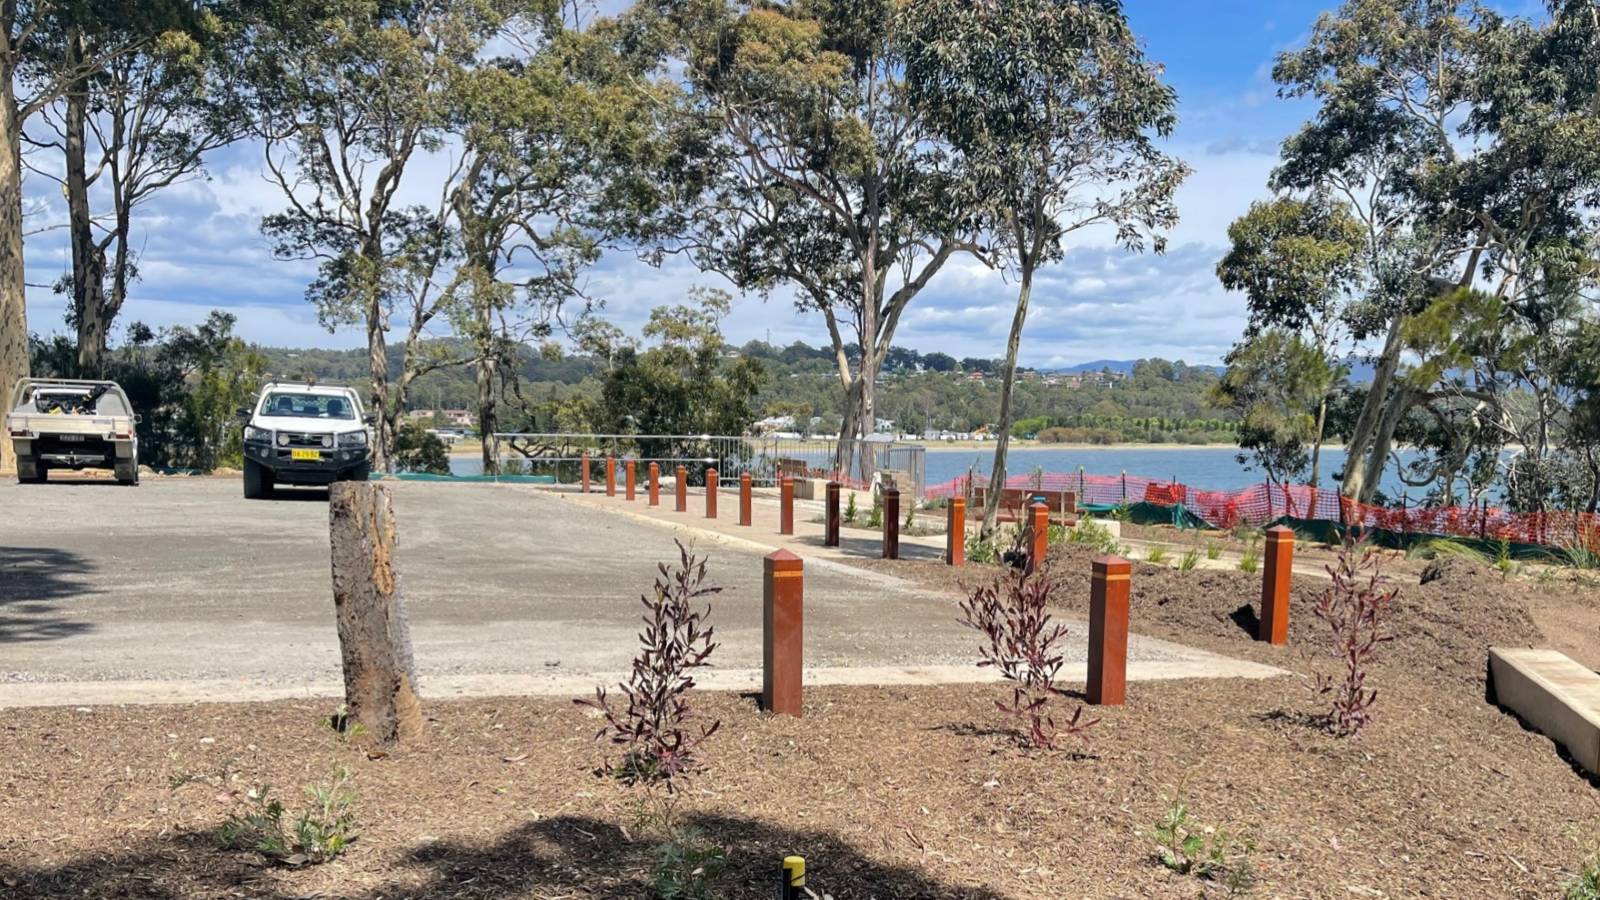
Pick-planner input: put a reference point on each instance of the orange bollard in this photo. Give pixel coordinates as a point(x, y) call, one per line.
point(1038, 536)
point(782, 633)
point(830, 527)
point(655, 484)
point(786, 505)
point(955, 532)
point(1273, 626)
point(683, 489)
point(628, 477)
point(585, 468)
point(611, 476)
point(891, 523)
point(1108, 631)
point(711, 493)
point(744, 498)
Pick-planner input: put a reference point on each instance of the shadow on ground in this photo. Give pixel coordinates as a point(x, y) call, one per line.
point(566, 856)
point(35, 584)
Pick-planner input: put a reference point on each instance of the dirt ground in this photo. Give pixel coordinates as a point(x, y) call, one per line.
point(889, 793)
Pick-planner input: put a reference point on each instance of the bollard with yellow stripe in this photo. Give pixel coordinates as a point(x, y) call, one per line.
point(794, 878)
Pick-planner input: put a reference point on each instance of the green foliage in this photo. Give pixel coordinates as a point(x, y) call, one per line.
point(324, 829)
point(1434, 548)
point(1187, 847)
point(875, 515)
point(415, 450)
point(1250, 560)
point(1157, 554)
point(985, 550)
point(911, 515)
point(1275, 384)
point(685, 865)
point(1123, 512)
point(1094, 534)
point(850, 511)
point(1213, 550)
point(1189, 559)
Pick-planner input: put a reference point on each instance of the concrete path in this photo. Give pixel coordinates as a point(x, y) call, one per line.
point(181, 589)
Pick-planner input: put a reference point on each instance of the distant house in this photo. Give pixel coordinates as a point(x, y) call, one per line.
point(455, 418)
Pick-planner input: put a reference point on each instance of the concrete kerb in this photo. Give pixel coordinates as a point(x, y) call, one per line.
point(89, 694)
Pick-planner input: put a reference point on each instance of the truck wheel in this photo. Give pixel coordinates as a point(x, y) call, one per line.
point(128, 475)
point(257, 481)
point(29, 472)
point(362, 472)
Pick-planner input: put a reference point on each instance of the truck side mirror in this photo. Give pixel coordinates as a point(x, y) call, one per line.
point(244, 412)
point(370, 418)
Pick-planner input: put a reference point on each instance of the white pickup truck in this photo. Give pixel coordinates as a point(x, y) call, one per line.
point(61, 423)
point(309, 434)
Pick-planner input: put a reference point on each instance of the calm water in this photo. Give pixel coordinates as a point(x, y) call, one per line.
point(1208, 468)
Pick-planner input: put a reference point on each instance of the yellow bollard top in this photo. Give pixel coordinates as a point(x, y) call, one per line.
point(795, 868)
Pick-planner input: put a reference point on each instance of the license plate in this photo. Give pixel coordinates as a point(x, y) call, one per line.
point(308, 455)
point(72, 437)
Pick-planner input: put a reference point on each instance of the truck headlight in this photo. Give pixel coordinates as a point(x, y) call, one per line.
point(353, 439)
point(254, 435)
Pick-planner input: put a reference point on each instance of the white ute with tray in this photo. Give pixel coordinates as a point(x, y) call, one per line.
point(63, 423)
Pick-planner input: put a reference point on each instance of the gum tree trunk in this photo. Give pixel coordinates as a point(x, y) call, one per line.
point(13, 300)
point(380, 681)
point(997, 477)
point(88, 258)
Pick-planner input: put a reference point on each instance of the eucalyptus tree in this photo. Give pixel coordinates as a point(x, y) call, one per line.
point(27, 36)
point(795, 159)
point(1462, 142)
point(353, 101)
point(139, 123)
point(1298, 262)
point(1053, 107)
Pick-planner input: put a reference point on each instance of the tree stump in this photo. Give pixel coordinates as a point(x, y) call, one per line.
point(380, 680)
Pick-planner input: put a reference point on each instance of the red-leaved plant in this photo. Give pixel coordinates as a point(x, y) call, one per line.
point(657, 730)
point(1020, 641)
point(1356, 608)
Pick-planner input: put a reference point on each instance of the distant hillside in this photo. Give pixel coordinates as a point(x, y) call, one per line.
point(1120, 366)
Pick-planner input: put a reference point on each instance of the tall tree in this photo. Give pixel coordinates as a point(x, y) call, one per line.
point(1298, 262)
point(1053, 107)
point(797, 161)
point(350, 95)
point(140, 123)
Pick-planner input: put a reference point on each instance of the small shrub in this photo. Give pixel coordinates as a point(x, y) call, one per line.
point(1096, 535)
point(1213, 550)
point(1250, 560)
point(1123, 512)
point(1356, 608)
point(981, 549)
point(1156, 554)
point(1020, 640)
point(1502, 558)
point(1189, 848)
point(657, 730)
point(875, 515)
point(325, 828)
point(850, 511)
point(1189, 559)
point(685, 864)
point(911, 515)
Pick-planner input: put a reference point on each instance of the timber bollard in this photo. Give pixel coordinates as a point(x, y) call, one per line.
point(782, 632)
point(628, 477)
point(585, 476)
point(711, 493)
point(683, 489)
point(793, 883)
point(786, 505)
point(830, 526)
point(1038, 536)
point(891, 523)
point(1273, 626)
point(955, 532)
point(655, 484)
point(1108, 631)
point(744, 498)
point(611, 476)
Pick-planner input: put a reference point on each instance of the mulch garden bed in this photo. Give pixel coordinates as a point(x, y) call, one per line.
point(888, 792)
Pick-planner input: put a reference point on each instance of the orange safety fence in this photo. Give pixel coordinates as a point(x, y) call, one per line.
point(1261, 504)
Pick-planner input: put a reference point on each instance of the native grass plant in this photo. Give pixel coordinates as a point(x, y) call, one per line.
point(1437, 547)
point(1502, 558)
point(1022, 641)
point(1156, 555)
point(1585, 883)
point(324, 829)
point(911, 515)
point(850, 511)
point(1187, 847)
point(1189, 559)
point(1213, 550)
point(1356, 608)
point(1250, 559)
point(656, 729)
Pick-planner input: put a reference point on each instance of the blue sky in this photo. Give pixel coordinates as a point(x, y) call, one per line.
point(201, 246)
